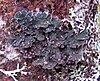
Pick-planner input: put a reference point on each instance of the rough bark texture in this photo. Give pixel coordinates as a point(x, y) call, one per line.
point(76, 15)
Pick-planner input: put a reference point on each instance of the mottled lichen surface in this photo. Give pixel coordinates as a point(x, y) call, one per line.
point(42, 35)
point(49, 40)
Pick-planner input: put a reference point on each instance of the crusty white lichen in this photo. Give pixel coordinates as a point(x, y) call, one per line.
point(10, 53)
point(1, 22)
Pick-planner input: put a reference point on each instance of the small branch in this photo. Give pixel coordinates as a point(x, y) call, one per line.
point(13, 73)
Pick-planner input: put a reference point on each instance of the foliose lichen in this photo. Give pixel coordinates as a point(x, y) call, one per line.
point(42, 35)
